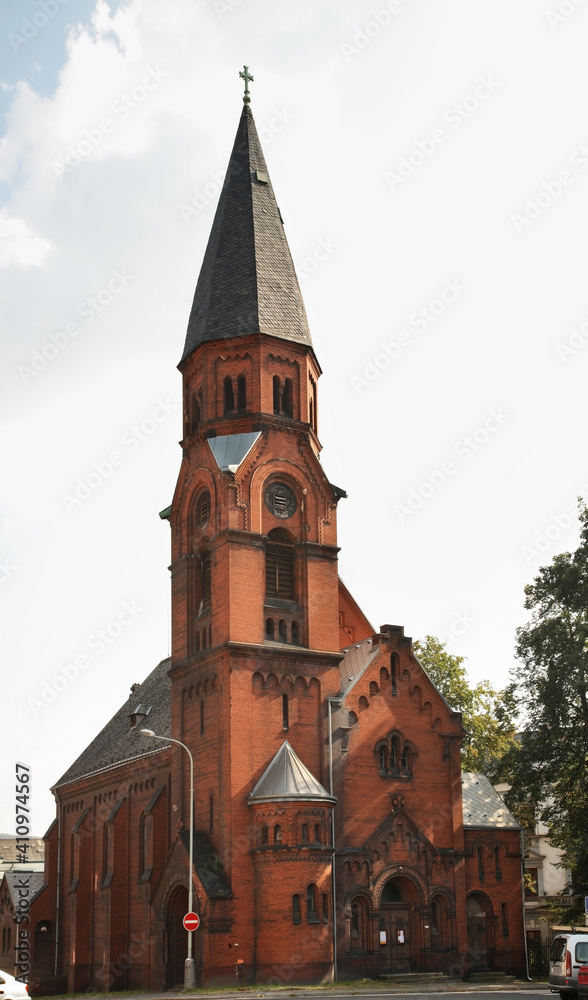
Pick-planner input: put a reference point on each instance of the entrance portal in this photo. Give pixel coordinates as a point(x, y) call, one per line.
point(176, 938)
point(477, 932)
point(398, 921)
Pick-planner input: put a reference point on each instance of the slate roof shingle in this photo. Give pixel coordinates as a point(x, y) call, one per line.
point(482, 806)
point(247, 282)
point(117, 742)
point(286, 778)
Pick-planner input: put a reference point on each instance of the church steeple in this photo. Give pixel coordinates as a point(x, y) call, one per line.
point(247, 282)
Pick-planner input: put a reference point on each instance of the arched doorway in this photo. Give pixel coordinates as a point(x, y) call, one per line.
point(399, 926)
point(43, 948)
point(478, 945)
point(176, 936)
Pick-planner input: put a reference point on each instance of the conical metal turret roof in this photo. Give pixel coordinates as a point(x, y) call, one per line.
point(285, 778)
point(247, 282)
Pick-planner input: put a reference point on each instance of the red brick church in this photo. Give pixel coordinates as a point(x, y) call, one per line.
point(335, 834)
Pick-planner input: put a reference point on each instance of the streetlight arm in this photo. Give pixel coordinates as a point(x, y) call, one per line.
point(189, 979)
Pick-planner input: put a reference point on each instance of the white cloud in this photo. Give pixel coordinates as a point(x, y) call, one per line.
point(20, 246)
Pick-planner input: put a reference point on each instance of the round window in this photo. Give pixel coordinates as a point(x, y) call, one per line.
point(280, 500)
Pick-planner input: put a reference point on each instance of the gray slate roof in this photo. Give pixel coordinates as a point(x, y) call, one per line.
point(13, 880)
point(286, 778)
point(117, 742)
point(483, 809)
point(247, 282)
point(356, 660)
point(10, 853)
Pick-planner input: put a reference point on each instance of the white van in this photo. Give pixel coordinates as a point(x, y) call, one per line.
point(569, 951)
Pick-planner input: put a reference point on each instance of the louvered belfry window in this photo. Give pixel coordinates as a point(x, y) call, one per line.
point(279, 570)
point(206, 595)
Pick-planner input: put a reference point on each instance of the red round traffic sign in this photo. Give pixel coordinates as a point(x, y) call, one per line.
point(191, 921)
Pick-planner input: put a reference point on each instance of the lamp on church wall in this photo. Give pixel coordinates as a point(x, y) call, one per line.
point(189, 976)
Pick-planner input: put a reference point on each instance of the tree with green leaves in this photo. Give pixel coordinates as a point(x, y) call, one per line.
point(487, 714)
point(550, 766)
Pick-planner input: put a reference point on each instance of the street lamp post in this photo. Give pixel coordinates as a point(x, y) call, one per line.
point(189, 976)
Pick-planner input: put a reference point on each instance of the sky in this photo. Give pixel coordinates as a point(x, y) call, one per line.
point(430, 159)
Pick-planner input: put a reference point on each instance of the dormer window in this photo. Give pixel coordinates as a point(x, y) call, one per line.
point(140, 713)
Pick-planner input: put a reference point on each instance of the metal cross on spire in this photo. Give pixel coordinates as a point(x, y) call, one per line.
point(246, 76)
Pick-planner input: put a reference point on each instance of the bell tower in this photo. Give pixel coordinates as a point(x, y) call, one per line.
point(255, 624)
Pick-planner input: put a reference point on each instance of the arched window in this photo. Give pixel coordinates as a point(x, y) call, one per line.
point(287, 398)
point(504, 912)
point(276, 394)
point(72, 857)
point(358, 925)
point(269, 628)
point(394, 754)
point(373, 689)
point(296, 915)
point(264, 836)
point(351, 719)
point(317, 833)
point(305, 832)
point(394, 673)
point(439, 922)
point(363, 703)
point(277, 834)
point(283, 631)
point(285, 707)
point(195, 412)
point(311, 904)
point(405, 760)
point(105, 852)
point(229, 395)
point(142, 843)
point(206, 583)
point(203, 509)
point(497, 867)
point(279, 566)
point(325, 908)
point(481, 872)
point(312, 404)
point(383, 754)
point(210, 635)
point(391, 892)
point(241, 393)
point(294, 633)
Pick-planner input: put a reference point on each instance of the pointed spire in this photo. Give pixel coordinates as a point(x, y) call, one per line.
point(247, 282)
point(286, 777)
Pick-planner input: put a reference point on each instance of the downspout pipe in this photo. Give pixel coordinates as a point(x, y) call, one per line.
point(522, 836)
point(58, 889)
point(330, 703)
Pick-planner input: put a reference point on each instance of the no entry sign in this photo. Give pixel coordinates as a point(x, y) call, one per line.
point(191, 921)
